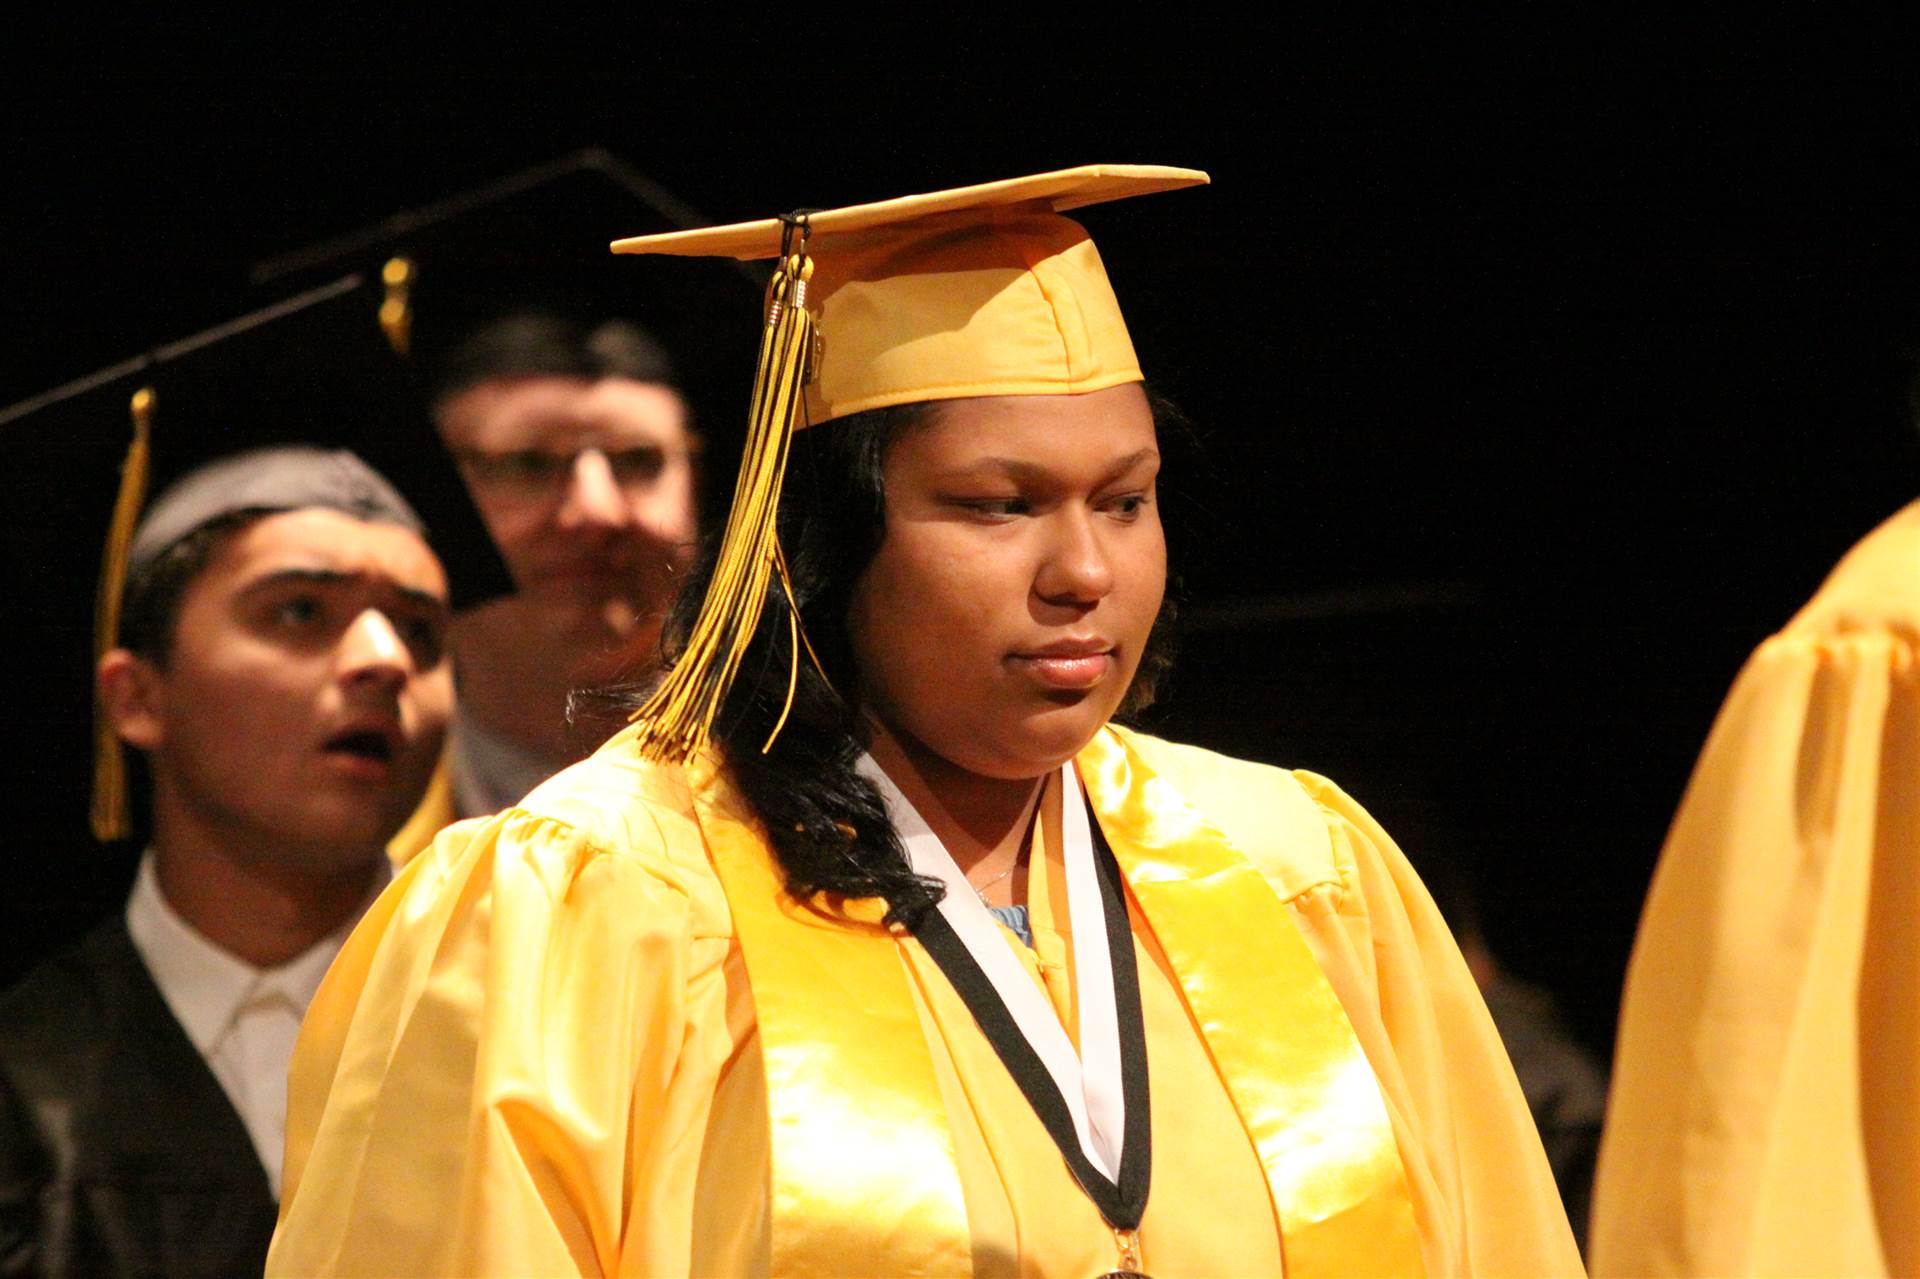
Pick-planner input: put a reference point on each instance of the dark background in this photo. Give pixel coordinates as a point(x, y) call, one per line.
point(1541, 369)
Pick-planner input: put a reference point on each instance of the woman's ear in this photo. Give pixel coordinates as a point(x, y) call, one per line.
point(130, 689)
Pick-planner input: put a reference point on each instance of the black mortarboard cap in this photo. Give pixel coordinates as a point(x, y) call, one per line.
point(307, 371)
point(536, 241)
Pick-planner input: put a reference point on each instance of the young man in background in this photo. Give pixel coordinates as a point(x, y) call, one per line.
point(282, 672)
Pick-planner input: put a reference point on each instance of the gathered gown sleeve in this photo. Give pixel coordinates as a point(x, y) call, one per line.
point(510, 1067)
point(1484, 1194)
point(1765, 1115)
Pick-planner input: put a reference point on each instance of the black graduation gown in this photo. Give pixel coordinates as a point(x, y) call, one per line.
point(119, 1152)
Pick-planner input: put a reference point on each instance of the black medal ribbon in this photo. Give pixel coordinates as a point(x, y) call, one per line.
point(1120, 1203)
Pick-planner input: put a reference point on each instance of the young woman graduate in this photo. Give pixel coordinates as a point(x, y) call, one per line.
point(874, 946)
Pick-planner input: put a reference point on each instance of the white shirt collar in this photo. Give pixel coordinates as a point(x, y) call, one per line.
point(490, 773)
point(205, 986)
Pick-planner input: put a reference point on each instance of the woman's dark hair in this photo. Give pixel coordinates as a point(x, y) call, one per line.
point(828, 825)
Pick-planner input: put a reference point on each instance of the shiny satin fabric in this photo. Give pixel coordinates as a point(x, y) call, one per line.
point(542, 1053)
point(842, 1086)
point(1765, 1113)
point(1277, 1032)
point(864, 1171)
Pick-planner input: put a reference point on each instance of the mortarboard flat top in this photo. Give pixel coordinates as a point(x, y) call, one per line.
point(534, 242)
point(312, 370)
point(976, 291)
point(1061, 191)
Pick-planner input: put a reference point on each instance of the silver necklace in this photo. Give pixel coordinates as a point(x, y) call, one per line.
point(980, 890)
point(1020, 854)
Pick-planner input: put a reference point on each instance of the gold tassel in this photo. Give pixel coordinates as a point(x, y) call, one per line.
point(396, 309)
point(677, 720)
point(109, 817)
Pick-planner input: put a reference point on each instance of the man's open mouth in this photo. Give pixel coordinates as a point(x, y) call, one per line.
point(362, 744)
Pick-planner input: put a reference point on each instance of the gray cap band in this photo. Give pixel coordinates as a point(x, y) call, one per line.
point(292, 478)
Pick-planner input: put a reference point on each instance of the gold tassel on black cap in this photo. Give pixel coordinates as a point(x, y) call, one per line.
point(109, 817)
point(396, 308)
point(677, 719)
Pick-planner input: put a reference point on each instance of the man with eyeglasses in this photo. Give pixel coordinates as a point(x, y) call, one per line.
point(578, 451)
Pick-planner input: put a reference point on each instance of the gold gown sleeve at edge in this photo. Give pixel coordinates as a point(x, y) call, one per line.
point(1483, 1192)
point(1765, 1115)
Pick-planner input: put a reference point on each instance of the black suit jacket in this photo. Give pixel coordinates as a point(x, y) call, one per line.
point(119, 1152)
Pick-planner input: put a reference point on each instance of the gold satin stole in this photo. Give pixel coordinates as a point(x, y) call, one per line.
point(901, 1145)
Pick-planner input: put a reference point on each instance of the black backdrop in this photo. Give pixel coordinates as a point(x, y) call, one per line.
point(1541, 371)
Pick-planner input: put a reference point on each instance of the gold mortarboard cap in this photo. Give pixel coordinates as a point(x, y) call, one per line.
point(977, 291)
point(980, 290)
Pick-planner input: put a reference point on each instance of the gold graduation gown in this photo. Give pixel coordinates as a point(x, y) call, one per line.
point(541, 1054)
point(1765, 1115)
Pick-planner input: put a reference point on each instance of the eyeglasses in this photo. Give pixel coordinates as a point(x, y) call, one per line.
point(535, 474)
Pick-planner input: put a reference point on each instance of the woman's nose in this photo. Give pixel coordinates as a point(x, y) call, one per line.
point(1077, 568)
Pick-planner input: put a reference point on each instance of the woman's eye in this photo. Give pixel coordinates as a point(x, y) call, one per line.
point(996, 506)
point(1127, 505)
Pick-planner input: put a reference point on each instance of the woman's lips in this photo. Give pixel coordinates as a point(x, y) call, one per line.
point(1065, 670)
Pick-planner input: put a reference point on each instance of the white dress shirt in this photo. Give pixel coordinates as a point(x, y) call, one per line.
point(490, 773)
point(242, 1019)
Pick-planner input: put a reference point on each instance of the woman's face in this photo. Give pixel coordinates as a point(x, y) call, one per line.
point(1020, 570)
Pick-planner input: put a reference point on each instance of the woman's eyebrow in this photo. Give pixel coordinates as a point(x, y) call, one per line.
point(1022, 469)
point(1133, 459)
